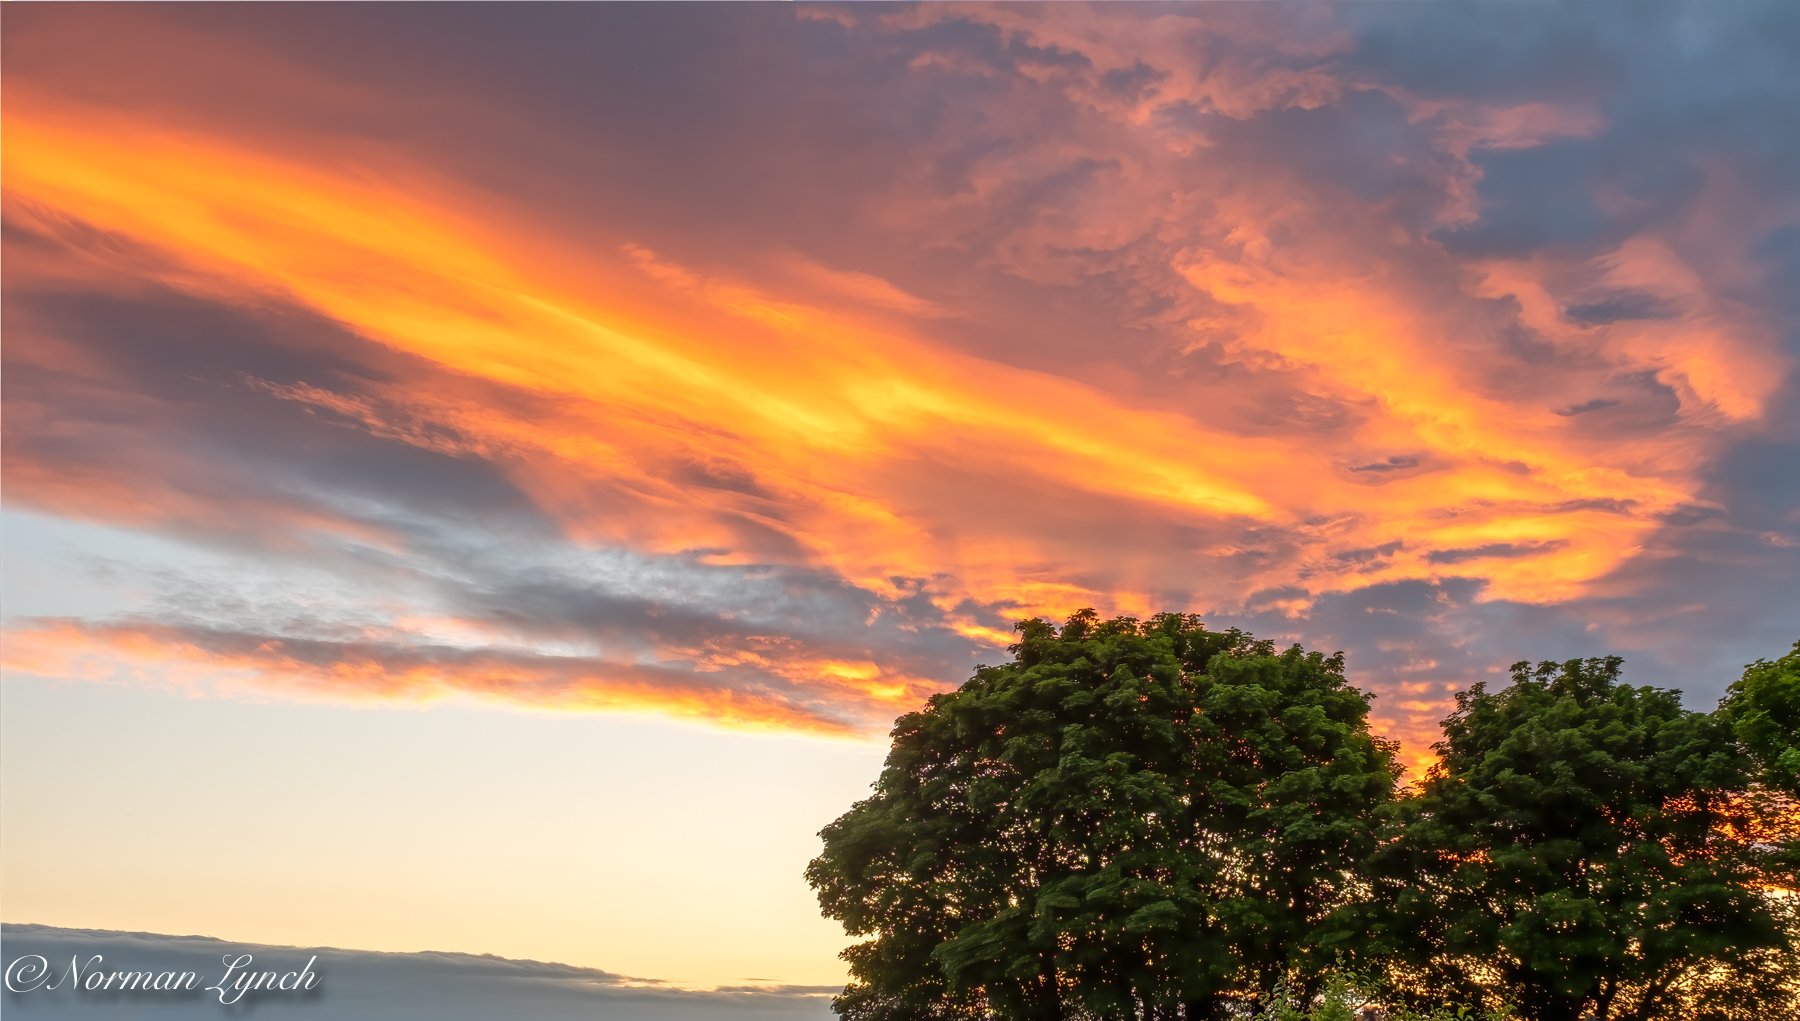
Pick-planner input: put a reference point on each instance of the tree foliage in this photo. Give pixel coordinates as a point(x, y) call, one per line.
point(1153, 821)
point(1577, 844)
point(1131, 819)
point(1763, 708)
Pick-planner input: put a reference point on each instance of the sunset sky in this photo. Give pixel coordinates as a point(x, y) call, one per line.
point(486, 477)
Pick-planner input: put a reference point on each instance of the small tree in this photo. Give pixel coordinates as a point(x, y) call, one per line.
point(1577, 843)
point(1128, 820)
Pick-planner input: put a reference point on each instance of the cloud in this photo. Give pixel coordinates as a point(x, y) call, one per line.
point(867, 331)
point(410, 667)
point(1586, 406)
point(433, 985)
point(1626, 305)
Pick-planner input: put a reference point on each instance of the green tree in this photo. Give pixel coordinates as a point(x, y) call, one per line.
point(1763, 708)
point(1575, 847)
point(1128, 820)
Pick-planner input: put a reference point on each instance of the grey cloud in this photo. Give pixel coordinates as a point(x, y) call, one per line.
point(1689, 619)
point(1504, 550)
point(1677, 84)
point(546, 617)
point(1614, 308)
point(1371, 554)
point(1586, 406)
point(1364, 144)
point(1535, 197)
point(175, 396)
point(1760, 481)
point(1395, 463)
point(373, 986)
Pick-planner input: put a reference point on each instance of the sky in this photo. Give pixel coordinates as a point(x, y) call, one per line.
point(517, 461)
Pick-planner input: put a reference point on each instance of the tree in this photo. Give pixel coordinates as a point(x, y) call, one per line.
point(1763, 708)
point(1576, 845)
point(1131, 819)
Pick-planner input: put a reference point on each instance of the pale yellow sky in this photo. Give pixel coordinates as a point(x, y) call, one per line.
point(648, 848)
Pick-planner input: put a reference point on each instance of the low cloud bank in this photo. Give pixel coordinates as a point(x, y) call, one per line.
point(361, 984)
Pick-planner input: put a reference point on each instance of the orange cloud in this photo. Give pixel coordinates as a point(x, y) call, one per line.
point(845, 700)
point(766, 407)
point(830, 417)
point(847, 431)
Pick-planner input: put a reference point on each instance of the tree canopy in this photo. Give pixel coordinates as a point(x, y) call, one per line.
point(1763, 708)
point(1575, 845)
point(1130, 819)
point(1148, 820)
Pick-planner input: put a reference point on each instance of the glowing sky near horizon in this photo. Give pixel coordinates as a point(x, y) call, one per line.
point(758, 367)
